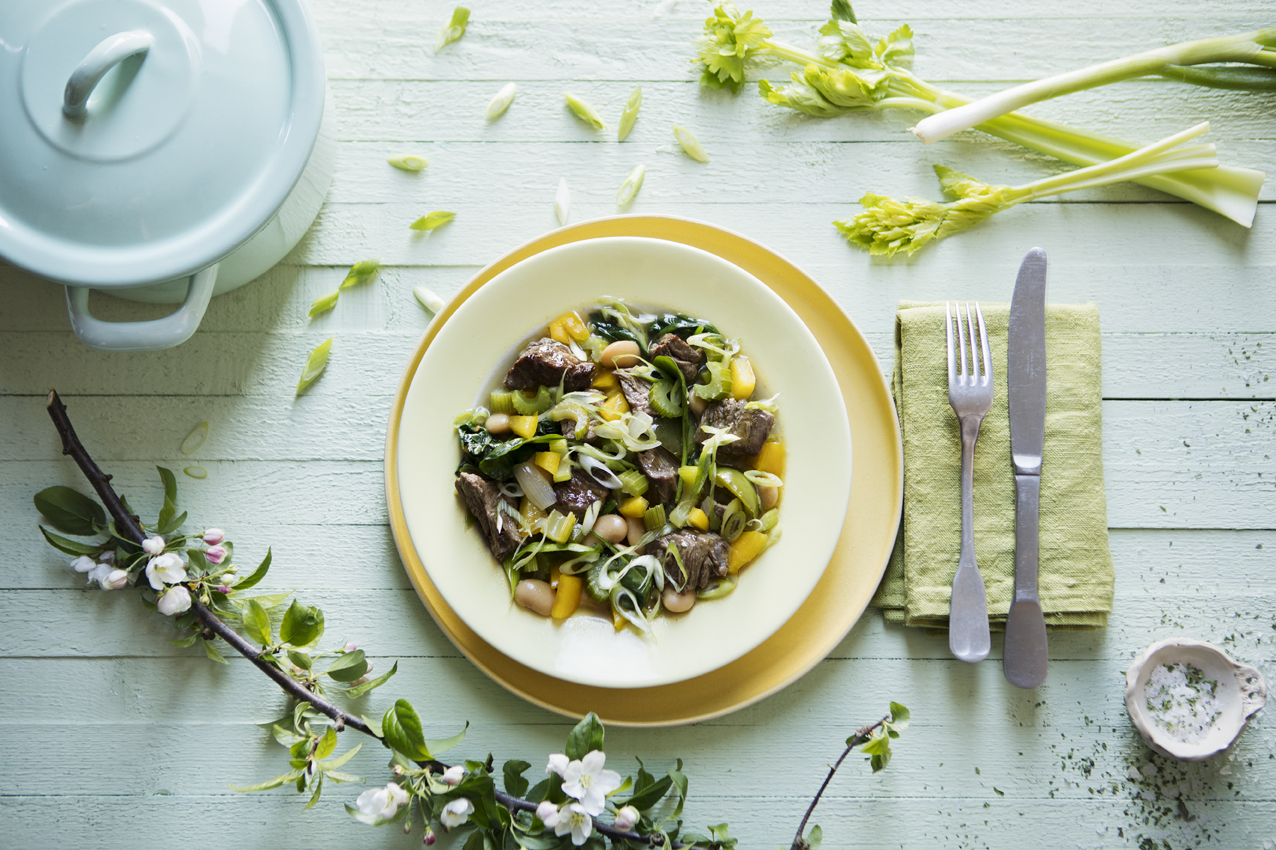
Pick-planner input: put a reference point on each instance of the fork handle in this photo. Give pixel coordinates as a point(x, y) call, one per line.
point(968, 637)
point(1026, 650)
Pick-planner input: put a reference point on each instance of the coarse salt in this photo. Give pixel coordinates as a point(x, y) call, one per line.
point(1182, 701)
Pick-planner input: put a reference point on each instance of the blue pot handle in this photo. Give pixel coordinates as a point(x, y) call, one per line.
point(173, 329)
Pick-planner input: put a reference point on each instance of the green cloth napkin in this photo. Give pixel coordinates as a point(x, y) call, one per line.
point(1076, 573)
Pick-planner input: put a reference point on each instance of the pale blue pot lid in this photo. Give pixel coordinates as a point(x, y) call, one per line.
point(188, 147)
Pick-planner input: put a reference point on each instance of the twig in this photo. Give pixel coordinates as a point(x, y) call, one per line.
point(799, 843)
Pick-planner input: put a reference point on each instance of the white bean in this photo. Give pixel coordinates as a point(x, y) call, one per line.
point(621, 354)
point(698, 405)
point(535, 595)
point(676, 602)
point(636, 531)
point(770, 496)
point(498, 423)
point(611, 527)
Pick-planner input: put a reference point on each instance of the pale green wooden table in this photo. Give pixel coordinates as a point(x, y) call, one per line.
point(115, 738)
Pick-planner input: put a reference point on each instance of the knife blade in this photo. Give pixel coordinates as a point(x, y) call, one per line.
point(1024, 655)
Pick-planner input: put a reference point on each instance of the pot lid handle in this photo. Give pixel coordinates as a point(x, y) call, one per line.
point(109, 53)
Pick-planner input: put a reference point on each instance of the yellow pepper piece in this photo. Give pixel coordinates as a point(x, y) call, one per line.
point(547, 461)
point(633, 507)
point(745, 548)
point(567, 598)
point(688, 475)
point(557, 332)
point(771, 459)
point(699, 519)
point(617, 622)
point(610, 410)
point(554, 575)
point(523, 426)
point(742, 380)
point(572, 326)
point(606, 381)
point(534, 516)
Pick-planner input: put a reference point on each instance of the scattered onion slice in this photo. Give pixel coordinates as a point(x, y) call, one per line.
point(197, 472)
point(195, 438)
point(599, 471)
point(535, 487)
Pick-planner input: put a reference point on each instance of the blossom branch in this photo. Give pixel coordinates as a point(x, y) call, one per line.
point(861, 736)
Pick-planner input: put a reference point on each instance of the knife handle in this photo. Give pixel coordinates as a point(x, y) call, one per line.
point(1026, 650)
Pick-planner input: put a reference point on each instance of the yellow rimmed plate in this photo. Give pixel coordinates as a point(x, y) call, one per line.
point(854, 569)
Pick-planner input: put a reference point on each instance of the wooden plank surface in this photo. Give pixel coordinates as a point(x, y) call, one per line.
point(118, 739)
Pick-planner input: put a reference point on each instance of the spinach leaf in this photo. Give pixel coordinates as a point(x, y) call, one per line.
point(476, 441)
point(680, 324)
point(500, 461)
point(611, 331)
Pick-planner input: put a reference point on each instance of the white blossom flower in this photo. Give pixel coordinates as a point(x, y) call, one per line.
point(576, 821)
point(175, 600)
point(384, 802)
point(98, 573)
point(153, 545)
point(456, 812)
point(548, 813)
point(453, 775)
point(626, 818)
point(590, 783)
point(113, 580)
point(165, 569)
point(83, 564)
point(107, 557)
point(214, 536)
point(557, 764)
point(216, 554)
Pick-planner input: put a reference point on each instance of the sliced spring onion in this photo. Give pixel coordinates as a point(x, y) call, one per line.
point(769, 519)
point(408, 162)
point(591, 516)
point(315, 364)
point(694, 149)
point(501, 102)
point(324, 303)
point(558, 527)
point(502, 401)
point(733, 520)
point(198, 472)
point(630, 114)
point(195, 438)
point(535, 487)
point(454, 29)
point(629, 189)
point(599, 472)
point(678, 516)
point(429, 221)
point(654, 518)
point(427, 299)
point(583, 111)
point(361, 272)
point(717, 589)
point(634, 483)
point(562, 202)
point(763, 479)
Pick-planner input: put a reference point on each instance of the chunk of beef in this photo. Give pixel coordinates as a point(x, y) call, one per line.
point(661, 469)
point(568, 427)
point(637, 393)
point(579, 492)
point(703, 553)
point(546, 362)
point(752, 426)
point(501, 532)
point(686, 356)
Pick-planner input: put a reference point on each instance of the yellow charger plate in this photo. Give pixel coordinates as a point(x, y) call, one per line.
point(840, 597)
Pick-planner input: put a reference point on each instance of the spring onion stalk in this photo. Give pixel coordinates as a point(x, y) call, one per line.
point(600, 473)
point(887, 226)
point(535, 487)
point(629, 189)
point(1250, 48)
point(562, 202)
point(453, 29)
point(408, 162)
point(361, 272)
point(427, 299)
point(501, 102)
point(429, 221)
point(694, 149)
point(849, 72)
point(315, 364)
point(630, 114)
point(323, 303)
point(195, 438)
point(583, 111)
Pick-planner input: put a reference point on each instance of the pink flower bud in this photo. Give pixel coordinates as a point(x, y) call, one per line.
point(216, 554)
point(453, 775)
point(350, 647)
point(626, 818)
point(153, 545)
point(214, 536)
point(548, 813)
point(114, 580)
point(429, 836)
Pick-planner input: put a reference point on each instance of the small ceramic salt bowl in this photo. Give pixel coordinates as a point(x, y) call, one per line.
point(1191, 700)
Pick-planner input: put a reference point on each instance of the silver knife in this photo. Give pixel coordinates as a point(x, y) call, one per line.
point(1025, 651)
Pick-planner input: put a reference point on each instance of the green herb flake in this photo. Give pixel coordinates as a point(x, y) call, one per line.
point(315, 364)
point(324, 303)
point(197, 472)
point(408, 162)
point(630, 114)
point(195, 438)
point(432, 220)
point(360, 272)
point(583, 111)
point(501, 101)
point(454, 29)
point(694, 149)
point(629, 189)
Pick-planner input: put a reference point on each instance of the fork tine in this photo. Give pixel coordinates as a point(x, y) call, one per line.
point(974, 345)
point(948, 333)
point(983, 339)
point(961, 342)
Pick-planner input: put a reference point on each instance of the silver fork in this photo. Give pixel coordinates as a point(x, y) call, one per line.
point(970, 394)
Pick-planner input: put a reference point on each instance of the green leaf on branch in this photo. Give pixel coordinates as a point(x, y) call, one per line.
point(515, 783)
point(330, 765)
point(586, 737)
point(170, 498)
point(401, 728)
point(359, 690)
point(172, 525)
point(213, 654)
point(70, 511)
point(184, 642)
point(258, 574)
point(648, 791)
point(680, 782)
point(257, 623)
point(878, 749)
point(348, 666)
point(302, 625)
point(285, 736)
point(900, 718)
point(815, 837)
point(270, 783)
point(327, 744)
point(841, 11)
point(475, 841)
point(69, 547)
point(314, 798)
point(442, 745)
point(300, 659)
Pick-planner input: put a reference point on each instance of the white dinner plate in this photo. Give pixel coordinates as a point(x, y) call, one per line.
point(476, 345)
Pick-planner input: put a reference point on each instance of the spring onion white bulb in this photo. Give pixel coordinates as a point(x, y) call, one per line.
point(562, 202)
point(501, 102)
point(535, 487)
